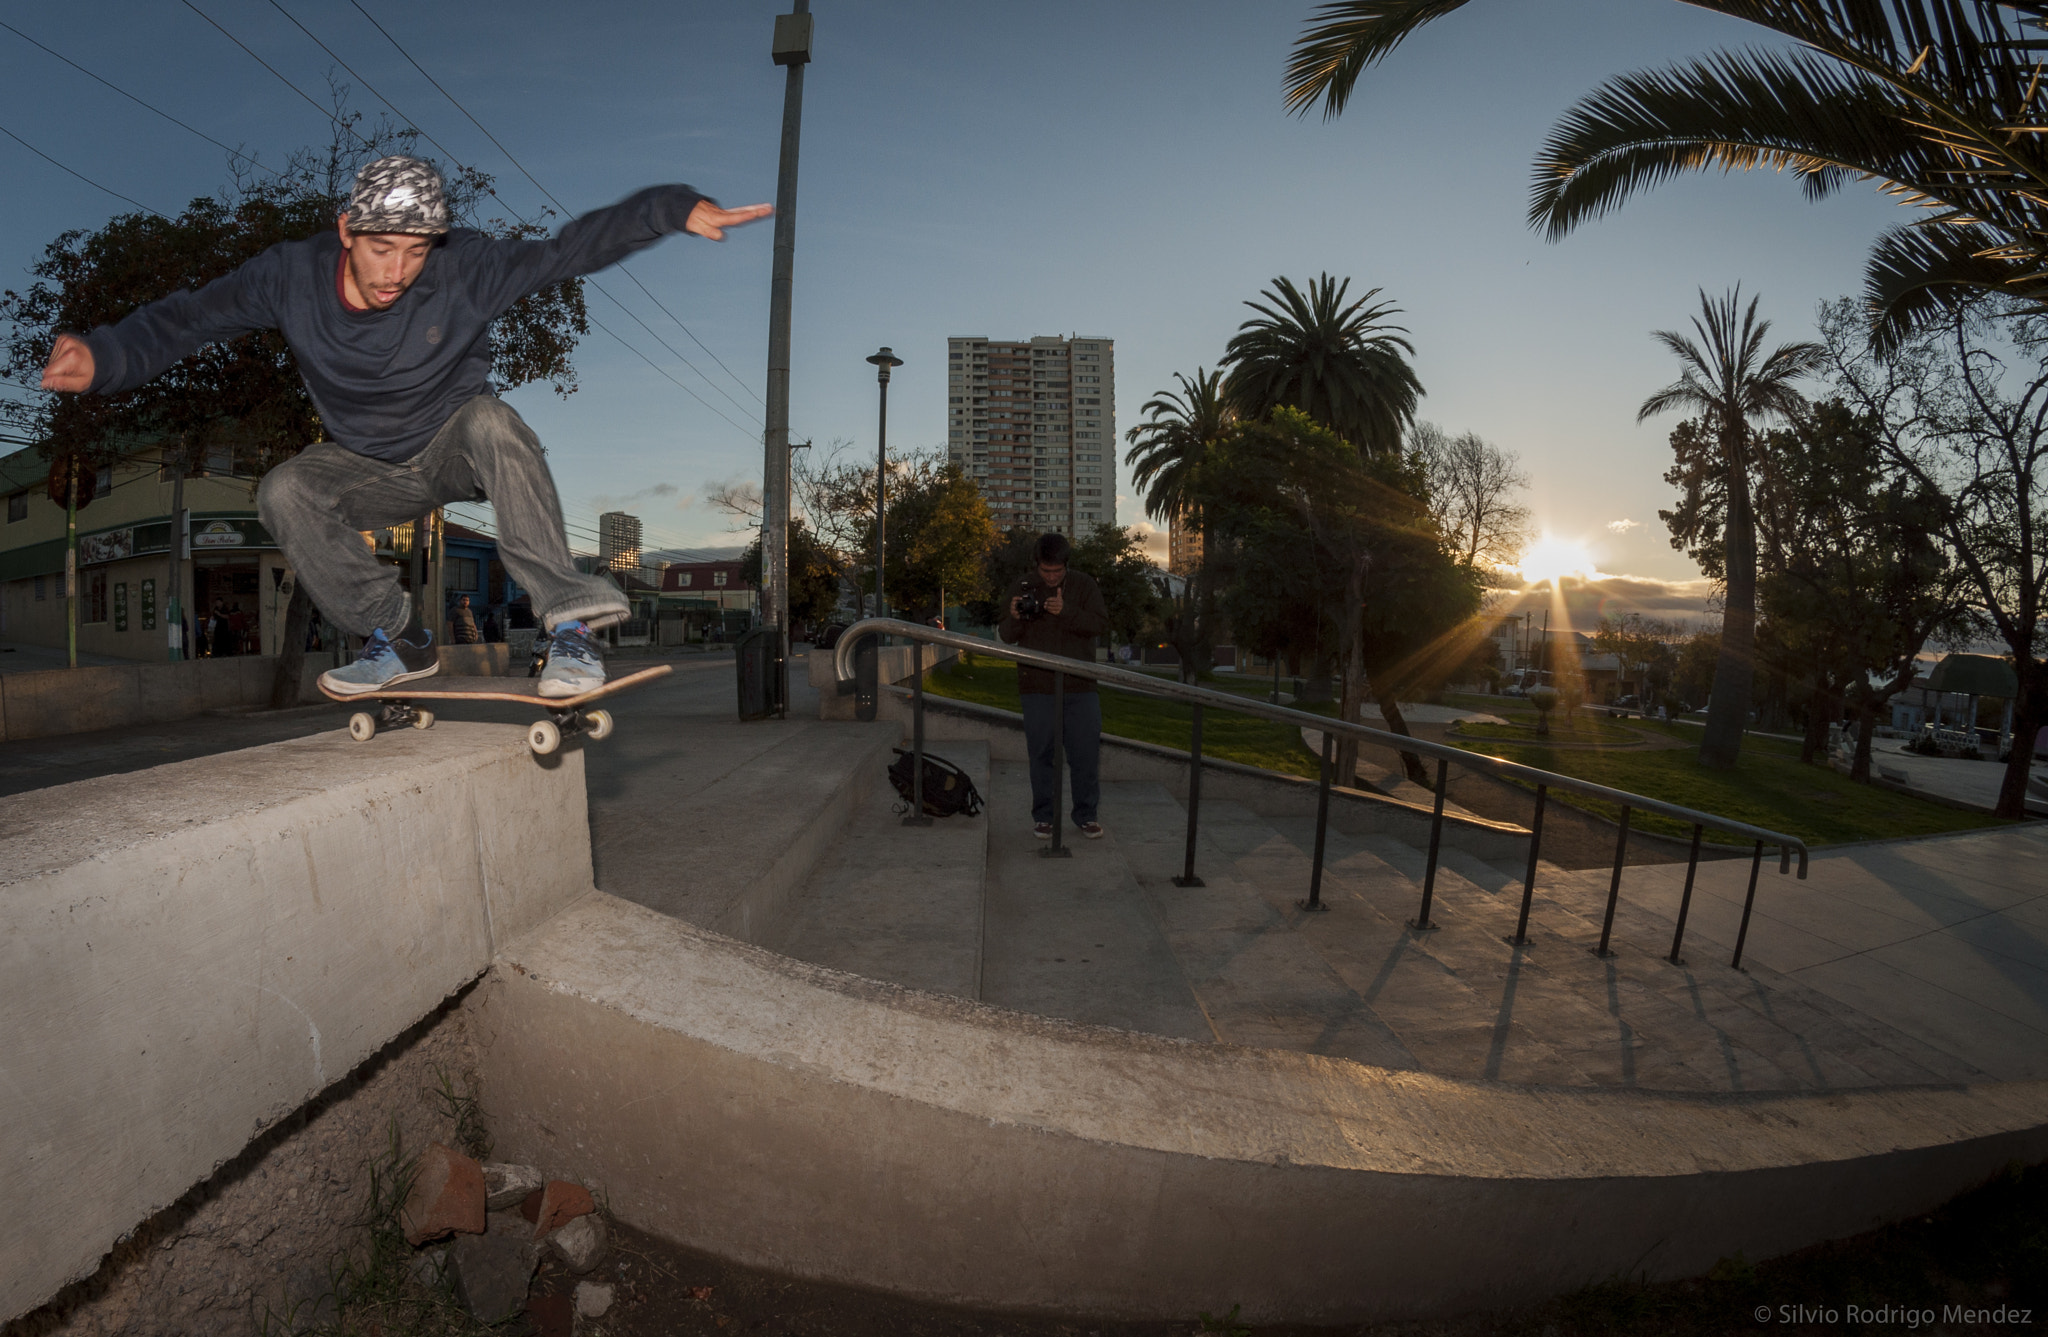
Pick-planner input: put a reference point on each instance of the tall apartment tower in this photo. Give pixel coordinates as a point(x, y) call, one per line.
point(618, 541)
point(1183, 546)
point(1034, 425)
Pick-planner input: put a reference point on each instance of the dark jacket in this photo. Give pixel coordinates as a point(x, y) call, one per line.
point(1071, 632)
point(384, 381)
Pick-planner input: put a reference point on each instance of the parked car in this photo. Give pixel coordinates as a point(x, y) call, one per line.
point(1623, 706)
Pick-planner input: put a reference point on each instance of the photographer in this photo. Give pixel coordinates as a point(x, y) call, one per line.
point(1059, 612)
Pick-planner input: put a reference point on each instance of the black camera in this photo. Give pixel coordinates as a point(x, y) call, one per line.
point(1029, 606)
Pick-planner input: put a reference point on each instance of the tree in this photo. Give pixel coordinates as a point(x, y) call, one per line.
point(1168, 449)
point(1692, 676)
point(815, 572)
point(1962, 412)
point(1474, 491)
point(245, 394)
point(1012, 559)
point(1934, 100)
point(1113, 556)
point(940, 533)
point(1728, 378)
point(1636, 642)
point(1337, 364)
point(1350, 530)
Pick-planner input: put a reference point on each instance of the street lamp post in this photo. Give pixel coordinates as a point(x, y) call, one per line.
point(883, 361)
point(791, 50)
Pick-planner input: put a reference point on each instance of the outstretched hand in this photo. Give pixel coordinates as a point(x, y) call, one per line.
point(708, 220)
point(70, 367)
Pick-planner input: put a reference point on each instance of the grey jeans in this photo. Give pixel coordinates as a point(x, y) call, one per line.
point(318, 503)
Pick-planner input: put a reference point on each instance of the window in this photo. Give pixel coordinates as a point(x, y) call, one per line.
point(17, 509)
point(718, 577)
point(683, 581)
point(95, 597)
point(42, 588)
point(103, 481)
point(462, 573)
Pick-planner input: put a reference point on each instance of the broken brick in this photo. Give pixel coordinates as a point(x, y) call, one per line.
point(560, 1202)
point(447, 1196)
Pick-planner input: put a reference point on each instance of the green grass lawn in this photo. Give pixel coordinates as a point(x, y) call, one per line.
point(1768, 788)
point(1584, 729)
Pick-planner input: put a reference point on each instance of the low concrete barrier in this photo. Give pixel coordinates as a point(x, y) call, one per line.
point(190, 953)
point(815, 1123)
point(893, 664)
point(50, 702)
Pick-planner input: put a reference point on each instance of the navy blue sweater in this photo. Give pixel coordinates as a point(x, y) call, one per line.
point(384, 382)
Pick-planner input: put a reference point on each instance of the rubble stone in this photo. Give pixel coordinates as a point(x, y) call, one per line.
point(507, 1185)
point(492, 1273)
point(447, 1196)
point(560, 1202)
point(581, 1244)
point(593, 1299)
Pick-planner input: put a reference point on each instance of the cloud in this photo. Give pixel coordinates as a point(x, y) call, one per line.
point(1623, 526)
point(1152, 539)
point(1586, 601)
point(662, 490)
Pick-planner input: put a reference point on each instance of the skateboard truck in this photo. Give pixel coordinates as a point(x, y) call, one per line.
point(543, 737)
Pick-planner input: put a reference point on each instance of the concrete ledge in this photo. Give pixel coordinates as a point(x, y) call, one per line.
point(808, 1121)
point(893, 664)
point(189, 953)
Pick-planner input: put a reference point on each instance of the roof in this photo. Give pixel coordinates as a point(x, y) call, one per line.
point(1975, 675)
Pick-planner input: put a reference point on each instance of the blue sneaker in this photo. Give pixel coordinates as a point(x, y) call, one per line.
point(575, 664)
point(384, 662)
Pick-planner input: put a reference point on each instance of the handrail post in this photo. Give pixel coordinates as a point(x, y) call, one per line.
point(1420, 923)
point(1614, 886)
point(1058, 849)
point(1521, 938)
point(918, 816)
point(1315, 876)
point(1187, 877)
point(1692, 867)
point(1756, 865)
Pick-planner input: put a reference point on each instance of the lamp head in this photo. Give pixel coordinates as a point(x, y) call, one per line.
point(883, 361)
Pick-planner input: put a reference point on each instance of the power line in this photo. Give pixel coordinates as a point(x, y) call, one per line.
point(136, 100)
point(80, 175)
point(551, 197)
point(324, 111)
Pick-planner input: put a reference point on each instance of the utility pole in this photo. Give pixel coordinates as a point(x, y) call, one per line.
point(792, 50)
point(71, 562)
point(174, 585)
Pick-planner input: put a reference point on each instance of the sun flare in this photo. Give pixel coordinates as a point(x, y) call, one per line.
point(1550, 557)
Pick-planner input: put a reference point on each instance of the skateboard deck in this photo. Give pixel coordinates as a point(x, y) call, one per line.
point(566, 714)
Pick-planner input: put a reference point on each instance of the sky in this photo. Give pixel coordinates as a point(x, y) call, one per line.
point(1124, 169)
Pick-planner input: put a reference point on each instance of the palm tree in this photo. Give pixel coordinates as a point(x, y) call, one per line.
point(1168, 449)
point(1934, 100)
point(1338, 364)
point(1727, 378)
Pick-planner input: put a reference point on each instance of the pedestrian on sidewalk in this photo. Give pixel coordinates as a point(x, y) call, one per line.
point(389, 317)
point(1059, 612)
point(462, 624)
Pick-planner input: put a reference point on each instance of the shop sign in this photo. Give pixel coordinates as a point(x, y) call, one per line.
point(120, 605)
point(112, 546)
point(149, 605)
point(218, 534)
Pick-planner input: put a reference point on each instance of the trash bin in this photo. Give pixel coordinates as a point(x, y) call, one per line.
point(757, 657)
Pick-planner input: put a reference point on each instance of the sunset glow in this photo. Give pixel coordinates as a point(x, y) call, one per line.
point(1550, 557)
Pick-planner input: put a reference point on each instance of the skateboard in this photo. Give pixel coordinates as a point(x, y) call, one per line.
point(566, 714)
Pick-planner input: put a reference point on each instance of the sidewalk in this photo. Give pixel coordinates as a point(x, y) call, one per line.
point(16, 658)
point(1973, 782)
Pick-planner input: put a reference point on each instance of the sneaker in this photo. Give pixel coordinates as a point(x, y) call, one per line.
point(1092, 830)
point(575, 665)
point(1043, 830)
point(384, 662)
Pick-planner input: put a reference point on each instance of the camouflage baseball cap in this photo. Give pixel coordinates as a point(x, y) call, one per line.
point(399, 194)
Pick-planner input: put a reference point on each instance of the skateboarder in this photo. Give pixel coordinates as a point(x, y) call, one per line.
point(389, 317)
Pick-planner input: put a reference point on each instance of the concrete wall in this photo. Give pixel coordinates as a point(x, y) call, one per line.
point(190, 953)
point(893, 664)
point(65, 701)
point(814, 1123)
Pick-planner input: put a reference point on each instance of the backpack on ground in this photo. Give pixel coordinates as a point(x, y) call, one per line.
point(947, 788)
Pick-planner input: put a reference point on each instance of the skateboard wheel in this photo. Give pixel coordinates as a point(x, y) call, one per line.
point(543, 737)
point(599, 723)
point(362, 726)
point(423, 719)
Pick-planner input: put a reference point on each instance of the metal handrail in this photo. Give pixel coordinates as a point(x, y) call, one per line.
point(1199, 697)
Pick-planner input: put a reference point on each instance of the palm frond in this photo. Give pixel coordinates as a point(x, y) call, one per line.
point(1919, 275)
point(1344, 38)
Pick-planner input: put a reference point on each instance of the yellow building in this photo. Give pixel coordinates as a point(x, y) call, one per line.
point(126, 572)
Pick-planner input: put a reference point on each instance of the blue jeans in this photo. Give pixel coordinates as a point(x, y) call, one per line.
point(1084, 753)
